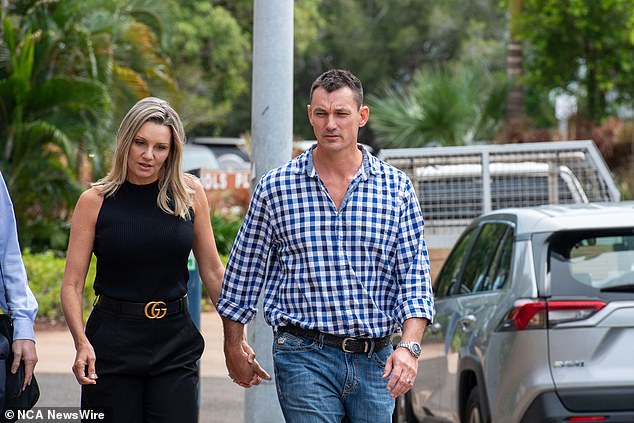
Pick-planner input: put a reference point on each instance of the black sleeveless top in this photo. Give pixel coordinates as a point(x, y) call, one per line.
point(141, 250)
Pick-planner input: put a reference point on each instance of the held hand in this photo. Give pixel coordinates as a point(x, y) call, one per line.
point(84, 366)
point(402, 368)
point(242, 365)
point(259, 371)
point(24, 349)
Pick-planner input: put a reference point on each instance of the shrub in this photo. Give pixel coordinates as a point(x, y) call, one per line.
point(225, 231)
point(45, 272)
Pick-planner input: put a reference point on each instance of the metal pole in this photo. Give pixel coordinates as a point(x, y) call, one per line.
point(272, 134)
point(486, 182)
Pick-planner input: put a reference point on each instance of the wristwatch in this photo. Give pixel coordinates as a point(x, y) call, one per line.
point(413, 347)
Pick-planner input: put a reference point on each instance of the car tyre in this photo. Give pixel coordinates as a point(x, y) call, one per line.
point(473, 408)
point(403, 412)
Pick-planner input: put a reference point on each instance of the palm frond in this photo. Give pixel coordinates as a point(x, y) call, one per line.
point(449, 105)
point(76, 94)
point(32, 139)
point(131, 81)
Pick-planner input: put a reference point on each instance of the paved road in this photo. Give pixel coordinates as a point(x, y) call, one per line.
point(222, 401)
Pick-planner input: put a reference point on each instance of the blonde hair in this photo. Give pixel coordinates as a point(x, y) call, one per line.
point(175, 196)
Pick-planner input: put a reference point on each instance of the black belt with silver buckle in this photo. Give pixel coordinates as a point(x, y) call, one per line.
point(150, 310)
point(351, 345)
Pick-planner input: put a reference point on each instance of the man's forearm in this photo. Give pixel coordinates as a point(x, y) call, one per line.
point(233, 332)
point(413, 329)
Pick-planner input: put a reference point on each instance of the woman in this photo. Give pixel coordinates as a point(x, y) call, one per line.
point(137, 360)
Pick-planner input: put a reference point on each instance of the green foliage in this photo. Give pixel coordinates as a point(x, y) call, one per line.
point(225, 231)
point(66, 68)
point(45, 272)
point(308, 32)
point(210, 54)
point(585, 47)
point(386, 43)
point(40, 117)
point(450, 105)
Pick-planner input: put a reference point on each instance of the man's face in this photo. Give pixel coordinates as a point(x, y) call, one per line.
point(336, 118)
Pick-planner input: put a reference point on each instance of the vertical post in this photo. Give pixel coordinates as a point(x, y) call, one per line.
point(486, 182)
point(194, 295)
point(272, 134)
point(553, 182)
point(194, 290)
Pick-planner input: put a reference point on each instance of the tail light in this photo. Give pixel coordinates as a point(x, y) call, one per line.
point(586, 419)
point(539, 314)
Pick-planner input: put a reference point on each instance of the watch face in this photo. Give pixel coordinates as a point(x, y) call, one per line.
point(416, 349)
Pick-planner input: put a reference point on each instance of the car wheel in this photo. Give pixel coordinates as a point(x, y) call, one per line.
point(473, 412)
point(403, 410)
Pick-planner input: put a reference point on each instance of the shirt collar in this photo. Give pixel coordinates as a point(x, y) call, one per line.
point(303, 164)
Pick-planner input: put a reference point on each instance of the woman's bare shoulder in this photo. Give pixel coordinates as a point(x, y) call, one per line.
point(199, 198)
point(90, 201)
point(92, 194)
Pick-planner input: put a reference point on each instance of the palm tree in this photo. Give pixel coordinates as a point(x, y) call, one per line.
point(38, 120)
point(515, 100)
point(65, 70)
point(451, 105)
point(114, 42)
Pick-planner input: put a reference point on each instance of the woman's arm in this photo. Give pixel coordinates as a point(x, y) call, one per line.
point(209, 264)
point(80, 245)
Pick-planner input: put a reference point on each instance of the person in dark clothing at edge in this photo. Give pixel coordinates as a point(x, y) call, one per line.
point(341, 234)
point(137, 359)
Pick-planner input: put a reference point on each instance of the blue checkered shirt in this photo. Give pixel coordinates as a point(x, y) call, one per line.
point(360, 270)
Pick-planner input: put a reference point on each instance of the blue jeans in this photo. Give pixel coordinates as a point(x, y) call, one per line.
point(320, 383)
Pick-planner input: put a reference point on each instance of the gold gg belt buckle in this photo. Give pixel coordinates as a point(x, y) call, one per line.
point(155, 310)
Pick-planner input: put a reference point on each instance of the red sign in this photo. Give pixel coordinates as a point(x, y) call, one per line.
point(227, 191)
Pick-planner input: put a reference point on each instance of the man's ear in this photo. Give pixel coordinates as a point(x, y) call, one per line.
point(365, 115)
point(310, 117)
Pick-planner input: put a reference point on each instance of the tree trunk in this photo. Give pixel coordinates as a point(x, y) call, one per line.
point(515, 99)
point(594, 93)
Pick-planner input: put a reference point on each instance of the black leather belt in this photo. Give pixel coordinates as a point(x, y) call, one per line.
point(351, 345)
point(150, 310)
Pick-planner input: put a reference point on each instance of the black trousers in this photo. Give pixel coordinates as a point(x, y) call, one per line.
point(5, 349)
point(147, 369)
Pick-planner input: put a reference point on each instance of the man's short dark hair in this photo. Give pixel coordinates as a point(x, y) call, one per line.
point(333, 79)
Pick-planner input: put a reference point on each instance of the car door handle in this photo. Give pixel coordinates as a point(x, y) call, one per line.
point(467, 322)
point(435, 328)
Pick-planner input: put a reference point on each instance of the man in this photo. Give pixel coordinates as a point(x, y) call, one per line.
point(335, 238)
point(16, 297)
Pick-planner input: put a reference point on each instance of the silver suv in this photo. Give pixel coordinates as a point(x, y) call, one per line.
point(534, 321)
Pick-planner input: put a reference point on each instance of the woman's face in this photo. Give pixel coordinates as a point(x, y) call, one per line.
point(149, 150)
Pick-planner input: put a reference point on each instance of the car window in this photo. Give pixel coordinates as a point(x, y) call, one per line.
point(447, 281)
point(592, 261)
point(501, 267)
point(479, 261)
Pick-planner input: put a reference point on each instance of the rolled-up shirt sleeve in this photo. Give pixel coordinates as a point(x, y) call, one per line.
point(415, 299)
point(246, 269)
point(16, 297)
